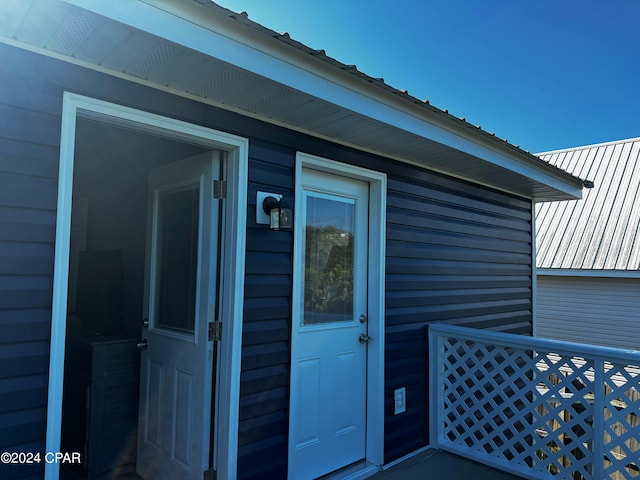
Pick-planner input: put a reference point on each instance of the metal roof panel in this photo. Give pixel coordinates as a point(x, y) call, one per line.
point(601, 231)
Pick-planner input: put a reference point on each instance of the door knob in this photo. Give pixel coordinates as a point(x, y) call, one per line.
point(364, 338)
point(143, 345)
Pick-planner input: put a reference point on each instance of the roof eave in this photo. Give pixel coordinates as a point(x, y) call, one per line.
point(233, 38)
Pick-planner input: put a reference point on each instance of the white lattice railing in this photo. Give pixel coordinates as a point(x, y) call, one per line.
point(535, 407)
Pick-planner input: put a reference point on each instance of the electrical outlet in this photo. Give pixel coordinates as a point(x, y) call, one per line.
point(400, 400)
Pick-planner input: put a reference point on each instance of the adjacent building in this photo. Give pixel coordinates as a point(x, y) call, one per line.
point(588, 251)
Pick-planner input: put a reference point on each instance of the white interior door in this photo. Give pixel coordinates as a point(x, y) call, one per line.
point(329, 343)
point(176, 367)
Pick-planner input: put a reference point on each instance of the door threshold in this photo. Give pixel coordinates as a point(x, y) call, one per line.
point(355, 471)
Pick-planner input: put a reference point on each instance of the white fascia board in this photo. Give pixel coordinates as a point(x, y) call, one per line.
point(197, 27)
point(575, 272)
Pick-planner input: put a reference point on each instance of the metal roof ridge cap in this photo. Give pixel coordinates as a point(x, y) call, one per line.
point(586, 147)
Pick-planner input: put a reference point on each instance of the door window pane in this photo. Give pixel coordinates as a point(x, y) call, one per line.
point(329, 260)
point(177, 259)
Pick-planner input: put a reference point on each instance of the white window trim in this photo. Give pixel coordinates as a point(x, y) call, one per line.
point(232, 264)
point(376, 302)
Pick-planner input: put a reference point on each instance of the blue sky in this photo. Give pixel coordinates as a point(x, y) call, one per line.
point(543, 74)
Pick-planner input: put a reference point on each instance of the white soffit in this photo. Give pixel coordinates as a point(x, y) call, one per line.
point(203, 52)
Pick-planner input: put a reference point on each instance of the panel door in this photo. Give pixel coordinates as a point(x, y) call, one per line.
point(329, 343)
point(176, 367)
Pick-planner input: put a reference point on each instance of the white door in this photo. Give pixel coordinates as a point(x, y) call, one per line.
point(329, 343)
point(176, 367)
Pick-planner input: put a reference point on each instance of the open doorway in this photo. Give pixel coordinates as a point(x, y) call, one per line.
point(141, 237)
point(107, 291)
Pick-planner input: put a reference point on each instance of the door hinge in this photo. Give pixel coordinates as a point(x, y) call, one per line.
point(215, 331)
point(210, 474)
point(220, 189)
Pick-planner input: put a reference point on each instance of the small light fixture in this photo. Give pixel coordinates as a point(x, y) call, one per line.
point(280, 216)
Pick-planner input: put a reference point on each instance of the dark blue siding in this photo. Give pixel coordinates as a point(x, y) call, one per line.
point(29, 137)
point(456, 252)
point(264, 388)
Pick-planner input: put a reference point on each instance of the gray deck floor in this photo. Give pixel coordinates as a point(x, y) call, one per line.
point(436, 464)
point(429, 465)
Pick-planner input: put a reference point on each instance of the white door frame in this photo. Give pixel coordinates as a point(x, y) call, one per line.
point(233, 223)
point(376, 287)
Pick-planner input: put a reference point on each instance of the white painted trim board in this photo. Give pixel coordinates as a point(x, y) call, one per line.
point(232, 267)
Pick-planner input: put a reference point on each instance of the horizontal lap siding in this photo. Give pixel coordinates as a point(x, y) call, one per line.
point(30, 108)
point(595, 310)
point(456, 253)
point(29, 152)
point(266, 338)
